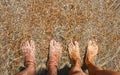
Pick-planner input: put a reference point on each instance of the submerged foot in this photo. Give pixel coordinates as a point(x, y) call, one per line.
point(28, 49)
point(54, 53)
point(92, 50)
point(74, 52)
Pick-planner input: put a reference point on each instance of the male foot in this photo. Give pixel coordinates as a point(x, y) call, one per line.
point(74, 52)
point(92, 50)
point(54, 53)
point(28, 49)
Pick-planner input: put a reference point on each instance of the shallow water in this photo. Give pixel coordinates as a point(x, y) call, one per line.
point(63, 20)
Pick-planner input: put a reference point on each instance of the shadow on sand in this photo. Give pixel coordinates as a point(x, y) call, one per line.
point(63, 71)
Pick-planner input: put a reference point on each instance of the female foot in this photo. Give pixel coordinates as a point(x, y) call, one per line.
point(92, 50)
point(54, 53)
point(74, 52)
point(28, 49)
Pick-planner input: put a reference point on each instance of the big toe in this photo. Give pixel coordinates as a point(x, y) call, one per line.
point(76, 45)
point(32, 43)
point(52, 42)
point(94, 43)
point(89, 42)
point(71, 45)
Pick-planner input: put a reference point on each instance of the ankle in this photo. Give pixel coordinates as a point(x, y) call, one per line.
point(52, 63)
point(78, 62)
point(51, 66)
point(89, 61)
point(31, 69)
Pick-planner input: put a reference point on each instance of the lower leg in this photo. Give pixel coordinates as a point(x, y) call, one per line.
point(52, 70)
point(95, 70)
point(92, 68)
point(92, 51)
point(76, 69)
point(52, 65)
point(106, 72)
point(75, 57)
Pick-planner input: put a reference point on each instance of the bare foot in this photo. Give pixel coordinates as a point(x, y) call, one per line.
point(54, 53)
point(28, 49)
point(74, 52)
point(92, 50)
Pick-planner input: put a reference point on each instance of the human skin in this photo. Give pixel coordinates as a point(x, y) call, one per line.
point(92, 51)
point(54, 56)
point(28, 50)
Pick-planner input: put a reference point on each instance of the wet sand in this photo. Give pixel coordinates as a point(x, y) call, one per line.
point(63, 20)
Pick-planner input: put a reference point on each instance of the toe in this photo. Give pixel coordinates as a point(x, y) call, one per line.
point(71, 44)
point(69, 47)
point(51, 42)
point(57, 45)
point(27, 43)
point(32, 43)
point(89, 42)
point(54, 42)
point(23, 46)
point(94, 43)
point(76, 44)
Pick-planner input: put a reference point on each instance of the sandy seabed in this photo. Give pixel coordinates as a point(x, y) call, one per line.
point(63, 20)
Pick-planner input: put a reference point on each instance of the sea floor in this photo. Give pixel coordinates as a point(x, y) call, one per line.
point(64, 21)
